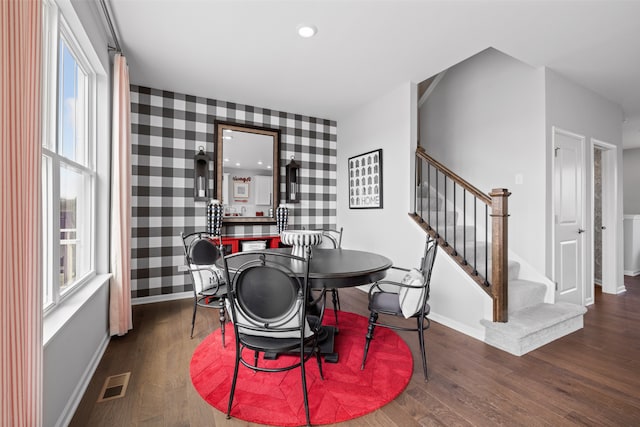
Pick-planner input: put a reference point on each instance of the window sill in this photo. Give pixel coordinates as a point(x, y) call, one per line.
point(59, 316)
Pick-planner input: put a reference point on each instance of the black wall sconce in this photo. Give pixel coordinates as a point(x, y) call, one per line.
point(292, 177)
point(201, 176)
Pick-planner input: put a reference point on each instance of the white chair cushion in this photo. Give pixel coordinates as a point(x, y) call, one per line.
point(411, 298)
point(204, 278)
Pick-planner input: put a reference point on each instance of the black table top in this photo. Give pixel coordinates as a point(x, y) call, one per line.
point(341, 268)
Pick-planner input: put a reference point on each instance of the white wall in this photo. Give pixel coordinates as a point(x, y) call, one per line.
point(632, 245)
point(631, 165)
point(73, 352)
point(485, 122)
point(574, 108)
point(389, 122)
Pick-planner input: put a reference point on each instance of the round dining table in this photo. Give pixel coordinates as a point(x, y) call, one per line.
point(336, 268)
point(342, 268)
point(333, 269)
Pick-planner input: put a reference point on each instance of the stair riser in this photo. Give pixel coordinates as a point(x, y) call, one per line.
point(524, 293)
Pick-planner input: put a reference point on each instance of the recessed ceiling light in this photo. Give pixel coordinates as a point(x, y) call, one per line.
point(306, 31)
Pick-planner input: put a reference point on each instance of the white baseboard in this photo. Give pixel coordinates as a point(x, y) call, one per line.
point(81, 388)
point(478, 334)
point(631, 272)
point(161, 298)
point(449, 323)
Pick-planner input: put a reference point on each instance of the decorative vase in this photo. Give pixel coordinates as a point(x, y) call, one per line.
point(300, 240)
point(215, 211)
point(282, 218)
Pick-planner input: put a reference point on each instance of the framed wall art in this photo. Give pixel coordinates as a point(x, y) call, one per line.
point(240, 190)
point(365, 180)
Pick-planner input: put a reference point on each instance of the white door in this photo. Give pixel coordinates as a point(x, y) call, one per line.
point(609, 210)
point(569, 213)
point(263, 185)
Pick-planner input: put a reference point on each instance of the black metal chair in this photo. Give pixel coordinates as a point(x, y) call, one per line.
point(268, 297)
point(209, 286)
point(407, 299)
point(332, 239)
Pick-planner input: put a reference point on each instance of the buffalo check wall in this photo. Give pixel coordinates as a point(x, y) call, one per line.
point(167, 129)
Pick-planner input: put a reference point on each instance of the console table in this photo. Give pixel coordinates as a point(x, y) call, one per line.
point(234, 244)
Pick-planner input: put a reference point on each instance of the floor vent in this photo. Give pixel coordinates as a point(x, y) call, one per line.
point(114, 387)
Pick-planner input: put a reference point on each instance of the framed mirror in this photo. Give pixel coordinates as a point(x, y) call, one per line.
point(247, 172)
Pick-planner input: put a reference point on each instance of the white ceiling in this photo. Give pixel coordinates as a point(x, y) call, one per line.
point(248, 51)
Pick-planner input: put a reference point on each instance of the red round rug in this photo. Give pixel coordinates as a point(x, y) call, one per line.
point(276, 398)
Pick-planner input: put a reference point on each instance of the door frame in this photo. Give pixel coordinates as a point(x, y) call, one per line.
point(609, 173)
point(555, 130)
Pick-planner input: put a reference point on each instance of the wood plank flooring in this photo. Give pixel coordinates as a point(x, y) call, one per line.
point(589, 378)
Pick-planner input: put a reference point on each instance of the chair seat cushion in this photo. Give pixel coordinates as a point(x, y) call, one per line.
point(269, 344)
point(216, 291)
point(212, 297)
point(385, 302)
point(411, 299)
point(389, 303)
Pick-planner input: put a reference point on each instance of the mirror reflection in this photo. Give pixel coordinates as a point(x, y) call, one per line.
point(247, 173)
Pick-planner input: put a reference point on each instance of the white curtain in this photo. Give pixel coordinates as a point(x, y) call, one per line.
point(20, 213)
point(120, 289)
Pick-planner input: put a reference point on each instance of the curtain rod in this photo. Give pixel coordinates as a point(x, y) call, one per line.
point(110, 23)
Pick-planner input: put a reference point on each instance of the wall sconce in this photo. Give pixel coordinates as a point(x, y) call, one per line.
point(292, 181)
point(201, 176)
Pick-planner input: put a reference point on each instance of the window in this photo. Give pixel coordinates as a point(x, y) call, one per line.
point(68, 163)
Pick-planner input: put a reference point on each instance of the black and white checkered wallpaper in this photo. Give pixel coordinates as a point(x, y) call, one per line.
point(167, 129)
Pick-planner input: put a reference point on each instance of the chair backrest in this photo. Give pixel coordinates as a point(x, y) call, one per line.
point(267, 293)
point(199, 248)
point(331, 239)
point(413, 296)
point(427, 261)
point(201, 255)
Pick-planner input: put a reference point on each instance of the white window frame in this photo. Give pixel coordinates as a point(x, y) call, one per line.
point(55, 26)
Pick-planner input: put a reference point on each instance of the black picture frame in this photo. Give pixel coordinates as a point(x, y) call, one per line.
point(365, 180)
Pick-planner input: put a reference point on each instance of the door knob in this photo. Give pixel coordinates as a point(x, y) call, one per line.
point(580, 231)
point(603, 228)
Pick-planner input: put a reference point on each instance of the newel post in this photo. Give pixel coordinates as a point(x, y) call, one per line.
point(499, 252)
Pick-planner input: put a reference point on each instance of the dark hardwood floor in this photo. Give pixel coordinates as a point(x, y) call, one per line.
point(589, 378)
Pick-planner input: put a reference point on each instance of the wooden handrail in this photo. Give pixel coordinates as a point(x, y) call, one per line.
point(497, 201)
point(460, 181)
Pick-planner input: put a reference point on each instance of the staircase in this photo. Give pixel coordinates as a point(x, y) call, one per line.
point(532, 322)
point(529, 322)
